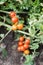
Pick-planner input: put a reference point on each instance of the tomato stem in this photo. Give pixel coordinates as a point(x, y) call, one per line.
point(16, 12)
point(23, 32)
point(4, 11)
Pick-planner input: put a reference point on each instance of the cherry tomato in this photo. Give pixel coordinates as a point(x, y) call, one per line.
point(20, 43)
point(20, 26)
point(22, 48)
point(21, 39)
point(19, 49)
point(14, 27)
point(27, 41)
point(12, 14)
point(26, 46)
point(26, 52)
point(15, 19)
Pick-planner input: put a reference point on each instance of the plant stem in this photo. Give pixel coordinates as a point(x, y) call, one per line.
point(5, 36)
point(4, 11)
point(16, 12)
point(23, 32)
point(4, 24)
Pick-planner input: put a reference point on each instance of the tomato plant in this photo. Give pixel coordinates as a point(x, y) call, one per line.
point(28, 26)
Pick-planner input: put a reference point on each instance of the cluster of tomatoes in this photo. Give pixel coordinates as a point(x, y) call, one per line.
point(23, 45)
point(15, 20)
point(13, 16)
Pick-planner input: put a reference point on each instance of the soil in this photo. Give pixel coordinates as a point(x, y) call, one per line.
point(14, 57)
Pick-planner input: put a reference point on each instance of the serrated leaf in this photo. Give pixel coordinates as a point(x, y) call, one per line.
point(41, 38)
point(34, 46)
point(29, 60)
point(2, 1)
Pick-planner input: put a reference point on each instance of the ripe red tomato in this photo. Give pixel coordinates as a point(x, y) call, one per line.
point(14, 19)
point(12, 14)
point(21, 39)
point(19, 49)
point(20, 43)
point(26, 46)
point(20, 26)
point(27, 41)
point(22, 48)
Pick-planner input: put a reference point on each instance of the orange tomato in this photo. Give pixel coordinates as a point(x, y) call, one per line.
point(26, 46)
point(22, 48)
point(26, 52)
point(20, 43)
point(20, 26)
point(19, 49)
point(14, 27)
point(21, 39)
point(27, 41)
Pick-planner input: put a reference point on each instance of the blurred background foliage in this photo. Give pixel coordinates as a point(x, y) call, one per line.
point(21, 5)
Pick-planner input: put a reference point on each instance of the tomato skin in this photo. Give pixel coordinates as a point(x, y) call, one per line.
point(20, 26)
point(14, 27)
point(22, 48)
point(26, 52)
point(26, 46)
point(20, 43)
point(12, 14)
point(15, 19)
point(21, 39)
point(27, 41)
point(19, 49)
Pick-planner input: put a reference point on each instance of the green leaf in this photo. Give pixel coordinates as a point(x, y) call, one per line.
point(41, 39)
point(21, 21)
point(2, 1)
point(32, 31)
point(1, 35)
point(4, 53)
point(29, 60)
point(34, 46)
point(36, 3)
